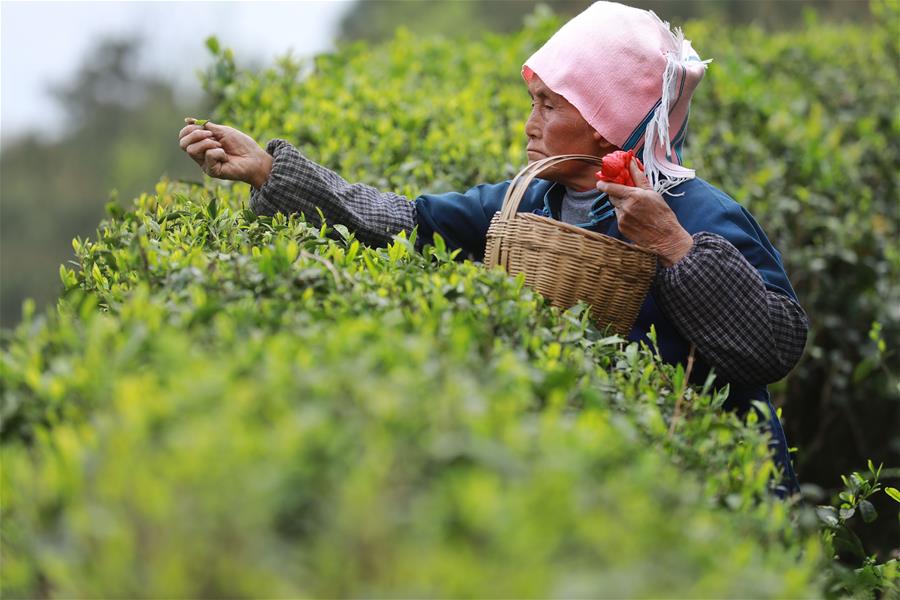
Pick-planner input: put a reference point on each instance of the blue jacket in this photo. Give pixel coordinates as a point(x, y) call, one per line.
point(462, 219)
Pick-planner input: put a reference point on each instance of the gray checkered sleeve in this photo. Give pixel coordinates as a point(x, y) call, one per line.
point(298, 185)
point(718, 301)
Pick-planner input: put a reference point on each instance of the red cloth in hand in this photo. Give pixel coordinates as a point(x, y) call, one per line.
point(615, 168)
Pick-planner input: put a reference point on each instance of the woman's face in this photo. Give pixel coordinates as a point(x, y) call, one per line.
point(556, 127)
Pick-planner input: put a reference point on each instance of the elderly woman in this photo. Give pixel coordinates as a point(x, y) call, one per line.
point(613, 78)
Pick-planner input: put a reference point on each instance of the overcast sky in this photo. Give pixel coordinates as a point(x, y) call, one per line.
point(45, 42)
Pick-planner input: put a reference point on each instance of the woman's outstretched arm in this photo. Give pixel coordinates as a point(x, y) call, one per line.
point(299, 185)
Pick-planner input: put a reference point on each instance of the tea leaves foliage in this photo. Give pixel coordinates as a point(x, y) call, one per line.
point(227, 404)
point(346, 420)
point(801, 127)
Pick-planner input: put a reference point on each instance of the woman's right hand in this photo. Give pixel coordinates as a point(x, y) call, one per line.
point(225, 153)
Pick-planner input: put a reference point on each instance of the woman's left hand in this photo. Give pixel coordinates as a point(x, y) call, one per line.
point(646, 219)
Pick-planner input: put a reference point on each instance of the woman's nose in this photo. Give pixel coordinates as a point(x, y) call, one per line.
point(532, 126)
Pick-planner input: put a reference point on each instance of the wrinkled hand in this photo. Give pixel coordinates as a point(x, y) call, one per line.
point(225, 153)
point(646, 219)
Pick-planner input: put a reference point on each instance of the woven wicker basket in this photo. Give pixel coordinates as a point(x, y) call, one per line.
point(566, 263)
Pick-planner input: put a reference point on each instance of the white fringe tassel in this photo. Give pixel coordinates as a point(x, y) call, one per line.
point(663, 175)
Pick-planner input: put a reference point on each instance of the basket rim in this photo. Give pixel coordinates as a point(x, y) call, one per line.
point(593, 236)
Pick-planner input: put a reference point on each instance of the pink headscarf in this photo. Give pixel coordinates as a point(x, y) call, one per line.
point(631, 79)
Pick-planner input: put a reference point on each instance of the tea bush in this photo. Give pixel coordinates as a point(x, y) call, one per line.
point(260, 410)
point(231, 405)
point(802, 127)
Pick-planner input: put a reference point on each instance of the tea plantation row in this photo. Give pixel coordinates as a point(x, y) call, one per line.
point(231, 405)
point(801, 127)
point(227, 405)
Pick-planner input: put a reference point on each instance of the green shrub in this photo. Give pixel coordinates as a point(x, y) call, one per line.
point(801, 127)
point(230, 405)
point(259, 410)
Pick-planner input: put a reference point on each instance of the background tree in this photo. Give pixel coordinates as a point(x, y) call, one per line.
point(376, 20)
point(118, 142)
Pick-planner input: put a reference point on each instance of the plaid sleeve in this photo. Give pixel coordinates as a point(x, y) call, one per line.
point(718, 301)
point(298, 185)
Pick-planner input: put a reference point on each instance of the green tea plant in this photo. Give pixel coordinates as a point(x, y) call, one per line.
point(842, 541)
point(352, 420)
point(226, 404)
point(800, 126)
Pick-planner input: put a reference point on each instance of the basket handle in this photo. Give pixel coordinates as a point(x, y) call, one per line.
point(516, 190)
point(523, 179)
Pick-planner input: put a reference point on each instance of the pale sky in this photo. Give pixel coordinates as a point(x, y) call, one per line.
point(45, 42)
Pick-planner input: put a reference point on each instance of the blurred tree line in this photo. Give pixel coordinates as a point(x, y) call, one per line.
point(121, 137)
point(376, 20)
